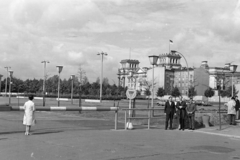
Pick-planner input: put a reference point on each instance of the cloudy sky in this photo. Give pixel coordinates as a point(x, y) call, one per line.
point(72, 32)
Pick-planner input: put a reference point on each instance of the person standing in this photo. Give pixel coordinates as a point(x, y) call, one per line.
point(191, 108)
point(181, 112)
point(231, 111)
point(169, 110)
point(237, 107)
point(29, 119)
point(176, 104)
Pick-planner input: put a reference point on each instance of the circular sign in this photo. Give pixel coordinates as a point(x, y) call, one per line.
point(131, 93)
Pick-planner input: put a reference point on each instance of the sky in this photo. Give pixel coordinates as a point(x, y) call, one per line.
point(72, 32)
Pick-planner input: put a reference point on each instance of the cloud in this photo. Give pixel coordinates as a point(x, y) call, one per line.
point(55, 14)
point(227, 25)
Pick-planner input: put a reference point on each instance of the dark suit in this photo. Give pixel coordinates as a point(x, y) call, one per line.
point(181, 112)
point(169, 110)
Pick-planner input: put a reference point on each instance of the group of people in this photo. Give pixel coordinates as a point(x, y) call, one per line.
point(184, 111)
point(233, 110)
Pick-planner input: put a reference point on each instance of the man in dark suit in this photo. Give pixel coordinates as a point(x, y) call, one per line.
point(169, 110)
point(237, 107)
point(181, 112)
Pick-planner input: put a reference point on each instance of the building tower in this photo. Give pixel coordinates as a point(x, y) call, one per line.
point(169, 60)
point(126, 66)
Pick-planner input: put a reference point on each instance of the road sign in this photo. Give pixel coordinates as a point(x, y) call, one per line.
point(131, 93)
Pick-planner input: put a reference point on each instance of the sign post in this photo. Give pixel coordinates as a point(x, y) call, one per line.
point(131, 94)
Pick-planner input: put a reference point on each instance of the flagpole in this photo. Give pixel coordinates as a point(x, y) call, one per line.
point(169, 45)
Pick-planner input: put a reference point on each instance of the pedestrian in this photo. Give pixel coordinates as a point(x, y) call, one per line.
point(29, 118)
point(237, 107)
point(181, 112)
point(176, 104)
point(169, 110)
point(191, 108)
point(231, 111)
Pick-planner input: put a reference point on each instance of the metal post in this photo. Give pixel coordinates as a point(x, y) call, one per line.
point(72, 91)
point(219, 110)
point(152, 91)
point(6, 81)
point(116, 120)
point(18, 95)
point(0, 83)
point(149, 118)
point(101, 77)
point(44, 82)
point(125, 120)
point(80, 101)
point(58, 89)
point(130, 106)
point(232, 84)
point(9, 91)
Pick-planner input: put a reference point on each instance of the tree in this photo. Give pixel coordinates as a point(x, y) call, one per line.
point(209, 92)
point(161, 92)
point(175, 92)
point(192, 92)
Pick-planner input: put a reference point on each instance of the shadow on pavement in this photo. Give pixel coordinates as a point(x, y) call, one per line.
point(47, 132)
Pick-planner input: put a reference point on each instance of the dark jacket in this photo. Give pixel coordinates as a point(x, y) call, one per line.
point(237, 105)
point(169, 108)
point(191, 108)
point(181, 111)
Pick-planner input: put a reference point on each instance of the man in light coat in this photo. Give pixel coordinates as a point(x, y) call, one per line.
point(231, 111)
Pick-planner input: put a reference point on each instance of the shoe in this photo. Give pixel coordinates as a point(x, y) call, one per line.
point(193, 129)
point(180, 128)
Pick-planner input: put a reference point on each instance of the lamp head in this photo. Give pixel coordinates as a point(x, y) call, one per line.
point(59, 69)
point(10, 73)
point(153, 59)
point(72, 76)
point(233, 68)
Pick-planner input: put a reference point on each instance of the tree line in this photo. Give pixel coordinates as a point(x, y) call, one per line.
point(35, 86)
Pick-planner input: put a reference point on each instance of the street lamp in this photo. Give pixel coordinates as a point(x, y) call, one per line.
point(173, 51)
point(102, 54)
point(72, 78)
point(153, 60)
point(6, 80)
point(59, 68)
point(233, 69)
point(10, 75)
point(44, 80)
point(1, 83)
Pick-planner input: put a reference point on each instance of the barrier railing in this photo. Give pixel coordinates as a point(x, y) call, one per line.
point(140, 109)
point(61, 108)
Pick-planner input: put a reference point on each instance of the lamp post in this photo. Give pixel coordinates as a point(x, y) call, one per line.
point(10, 75)
point(72, 78)
point(233, 69)
point(1, 83)
point(59, 68)
point(102, 54)
point(153, 61)
point(44, 80)
point(6, 80)
point(173, 51)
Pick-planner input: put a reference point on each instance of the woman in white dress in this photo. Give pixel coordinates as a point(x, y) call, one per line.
point(28, 119)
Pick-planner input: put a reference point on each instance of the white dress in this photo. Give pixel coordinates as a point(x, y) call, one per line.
point(28, 118)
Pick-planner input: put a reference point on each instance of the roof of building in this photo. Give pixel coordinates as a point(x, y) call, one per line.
point(130, 61)
point(171, 54)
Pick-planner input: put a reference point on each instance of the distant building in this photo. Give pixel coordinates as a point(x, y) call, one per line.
point(168, 73)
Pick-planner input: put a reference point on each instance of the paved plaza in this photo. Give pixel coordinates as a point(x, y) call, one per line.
point(66, 136)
